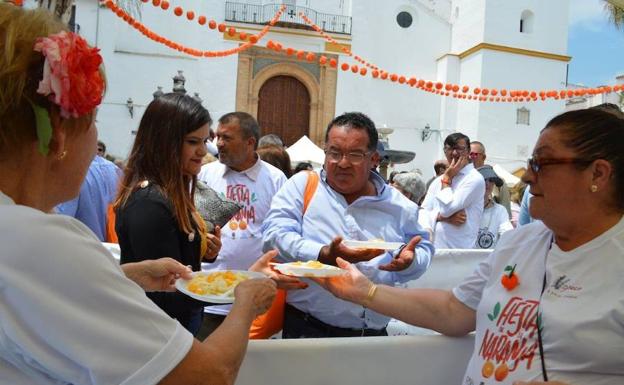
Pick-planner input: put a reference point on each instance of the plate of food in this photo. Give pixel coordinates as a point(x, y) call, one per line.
point(308, 269)
point(372, 244)
point(215, 286)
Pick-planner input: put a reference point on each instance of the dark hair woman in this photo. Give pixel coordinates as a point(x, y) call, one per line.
point(155, 213)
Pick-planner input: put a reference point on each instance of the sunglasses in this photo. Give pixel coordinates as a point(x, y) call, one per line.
point(536, 164)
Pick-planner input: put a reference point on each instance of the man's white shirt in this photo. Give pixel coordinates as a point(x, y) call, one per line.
point(467, 192)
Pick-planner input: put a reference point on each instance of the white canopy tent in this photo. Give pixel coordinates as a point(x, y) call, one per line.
point(304, 150)
point(509, 178)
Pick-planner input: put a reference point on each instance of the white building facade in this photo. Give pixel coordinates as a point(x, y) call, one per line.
point(480, 43)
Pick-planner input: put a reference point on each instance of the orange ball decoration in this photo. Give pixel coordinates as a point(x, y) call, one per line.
point(384, 75)
point(201, 20)
point(439, 85)
point(344, 67)
point(394, 77)
point(164, 5)
point(412, 82)
point(402, 79)
point(290, 51)
point(212, 24)
point(375, 74)
point(465, 89)
point(477, 91)
point(231, 31)
point(333, 63)
point(253, 39)
point(190, 15)
point(300, 55)
point(323, 60)
point(221, 27)
point(363, 71)
point(155, 3)
point(242, 35)
point(310, 57)
point(485, 92)
point(455, 88)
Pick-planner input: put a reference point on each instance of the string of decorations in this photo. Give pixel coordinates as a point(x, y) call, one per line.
point(438, 88)
point(201, 20)
point(457, 91)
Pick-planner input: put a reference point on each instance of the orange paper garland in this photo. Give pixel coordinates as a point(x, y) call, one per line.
point(190, 15)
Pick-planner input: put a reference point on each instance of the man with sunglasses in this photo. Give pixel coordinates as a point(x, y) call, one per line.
point(455, 199)
point(352, 202)
point(501, 193)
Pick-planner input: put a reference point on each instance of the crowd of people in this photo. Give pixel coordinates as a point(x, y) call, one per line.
point(70, 313)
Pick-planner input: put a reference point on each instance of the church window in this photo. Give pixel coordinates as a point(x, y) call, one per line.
point(404, 19)
point(526, 21)
point(523, 116)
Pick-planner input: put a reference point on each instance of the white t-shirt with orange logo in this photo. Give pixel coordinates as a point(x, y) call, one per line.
point(581, 311)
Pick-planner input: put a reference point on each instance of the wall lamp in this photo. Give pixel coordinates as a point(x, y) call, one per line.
point(130, 106)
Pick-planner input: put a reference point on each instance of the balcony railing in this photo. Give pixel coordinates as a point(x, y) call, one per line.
point(262, 14)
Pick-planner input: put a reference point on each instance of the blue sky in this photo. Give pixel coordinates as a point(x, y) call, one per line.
point(596, 47)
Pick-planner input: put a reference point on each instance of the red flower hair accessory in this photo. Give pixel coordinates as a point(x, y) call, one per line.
point(71, 76)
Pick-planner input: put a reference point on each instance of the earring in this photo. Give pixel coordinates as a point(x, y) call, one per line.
point(593, 188)
point(62, 155)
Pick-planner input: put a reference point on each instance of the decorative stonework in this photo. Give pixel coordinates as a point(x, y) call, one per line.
point(257, 65)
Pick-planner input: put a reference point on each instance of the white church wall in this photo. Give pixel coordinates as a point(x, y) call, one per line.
point(468, 27)
point(135, 65)
point(409, 51)
point(508, 143)
point(549, 30)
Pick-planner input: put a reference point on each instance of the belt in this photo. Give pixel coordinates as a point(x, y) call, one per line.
point(332, 331)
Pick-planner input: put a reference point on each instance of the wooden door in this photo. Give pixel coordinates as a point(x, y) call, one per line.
point(284, 108)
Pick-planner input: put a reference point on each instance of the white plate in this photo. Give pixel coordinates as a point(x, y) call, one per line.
point(306, 271)
point(181, 285)
point(372, 244)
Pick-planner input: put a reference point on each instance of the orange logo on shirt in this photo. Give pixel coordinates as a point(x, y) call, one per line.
point(511, 340)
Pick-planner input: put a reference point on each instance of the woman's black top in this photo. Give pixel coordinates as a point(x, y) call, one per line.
point(147, 229)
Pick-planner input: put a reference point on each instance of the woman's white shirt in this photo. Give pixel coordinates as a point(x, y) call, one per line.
point(581, 310)
point(68, 315)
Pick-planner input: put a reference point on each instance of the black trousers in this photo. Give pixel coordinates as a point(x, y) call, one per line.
point(209, 324)
point(298, 324)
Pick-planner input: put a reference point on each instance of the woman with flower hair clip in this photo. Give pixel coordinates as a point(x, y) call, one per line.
point(69, 314)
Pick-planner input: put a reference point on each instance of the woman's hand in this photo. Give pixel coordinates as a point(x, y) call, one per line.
point(353, 286)
point(263, 265)
point(156, 275)
point(257, 293)
point(214, 245)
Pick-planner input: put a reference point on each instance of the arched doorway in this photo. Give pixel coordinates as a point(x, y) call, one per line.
point(284, 108)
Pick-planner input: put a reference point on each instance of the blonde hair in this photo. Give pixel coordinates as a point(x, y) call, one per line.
point(21, 69)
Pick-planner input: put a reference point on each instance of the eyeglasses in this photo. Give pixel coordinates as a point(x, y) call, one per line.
point(475, 154)
point(449, 149)
point(536, 164)
point(355, 157)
